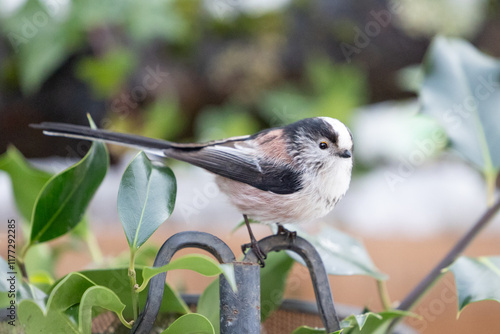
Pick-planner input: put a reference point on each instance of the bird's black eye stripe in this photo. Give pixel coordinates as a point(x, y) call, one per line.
point(323, 145)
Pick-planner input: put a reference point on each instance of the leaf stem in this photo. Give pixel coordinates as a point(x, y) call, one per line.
point(491, 180)
point(415, 295)
point(133, 283)
point(384, 294)
point(20, 262)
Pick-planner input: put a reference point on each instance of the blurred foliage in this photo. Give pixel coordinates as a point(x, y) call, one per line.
point(106, 74)
point(67, 26)
point(225, 121)
point(235, 52)
point(226, 67)
point(332, 90)
point(461, 91)
point(163, 119)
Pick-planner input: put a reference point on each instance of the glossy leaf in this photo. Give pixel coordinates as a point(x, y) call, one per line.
point(341, 253)
point(273, 281)
point(64, 199)
point(74, 289)
point(199, 263)
point(68, 292)
point(27, 181)
point(461, 89)
point(370, 322)
point(208, 304)
point(118, 281)
point(34, 320)
point(98, 296)
point(190, 324)
point(146, 198)
point(476, 279)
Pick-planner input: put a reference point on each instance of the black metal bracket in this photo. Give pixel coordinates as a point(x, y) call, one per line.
point(319, 277)
point(240, 310)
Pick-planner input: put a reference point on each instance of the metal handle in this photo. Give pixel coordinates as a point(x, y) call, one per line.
point(205, 241)
point(240, 310)
point(316, 268)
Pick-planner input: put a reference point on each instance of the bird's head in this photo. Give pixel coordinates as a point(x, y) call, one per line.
point(320, 142)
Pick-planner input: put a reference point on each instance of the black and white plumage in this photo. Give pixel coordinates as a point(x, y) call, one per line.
point(289, 174)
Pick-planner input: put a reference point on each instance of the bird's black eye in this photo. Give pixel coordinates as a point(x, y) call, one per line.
point(323, 145)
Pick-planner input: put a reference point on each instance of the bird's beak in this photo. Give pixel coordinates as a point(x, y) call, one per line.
point(345, 154)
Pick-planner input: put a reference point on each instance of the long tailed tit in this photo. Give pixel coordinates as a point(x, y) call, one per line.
point(289, 174)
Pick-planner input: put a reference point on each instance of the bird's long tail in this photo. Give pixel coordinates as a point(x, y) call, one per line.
point(154, 146)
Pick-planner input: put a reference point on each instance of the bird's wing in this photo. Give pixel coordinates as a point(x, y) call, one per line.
point(233, 158)
point(241, 164)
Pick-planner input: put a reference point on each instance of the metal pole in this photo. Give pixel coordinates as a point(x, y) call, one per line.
point(240, 310)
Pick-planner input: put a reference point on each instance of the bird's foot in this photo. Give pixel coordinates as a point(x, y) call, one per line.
point(290, 235)
point(259, 253)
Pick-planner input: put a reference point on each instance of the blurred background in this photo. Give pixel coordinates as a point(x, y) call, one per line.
point(201, 70)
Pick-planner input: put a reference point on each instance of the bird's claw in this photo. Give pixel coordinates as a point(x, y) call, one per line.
point(290, 235)
point(254, 246)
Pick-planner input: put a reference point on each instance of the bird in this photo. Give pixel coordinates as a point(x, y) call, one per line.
point(284, 175)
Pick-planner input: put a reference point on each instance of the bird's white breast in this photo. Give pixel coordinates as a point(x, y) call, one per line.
point(318, 197)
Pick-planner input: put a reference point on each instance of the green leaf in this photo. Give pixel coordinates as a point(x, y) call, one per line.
point(461, 89)
point(74, 289)
point(101, 297)
point(370, 322)
point(68, 292)
point(273, 281)
point(199, 263)
point(35, 321)
point(27, 181)
point(190, 324)
point(208, 304)
point(476, 279)
point(341, 253)
point(309, 330)
point(64, 199)
point(146, 198)
point(118, 281)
